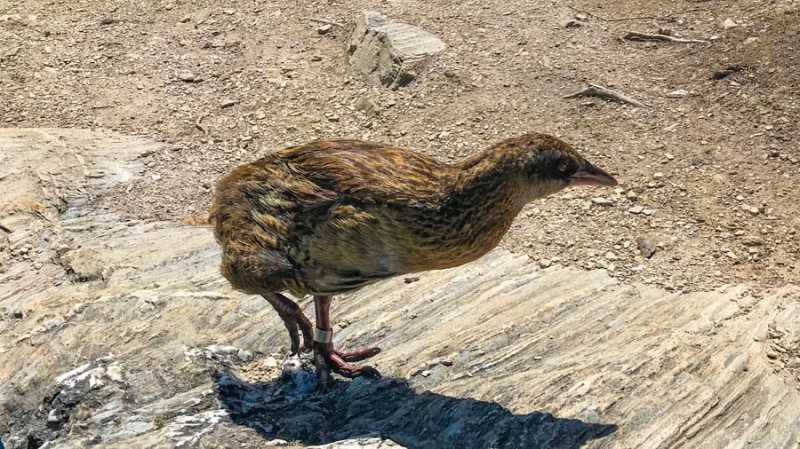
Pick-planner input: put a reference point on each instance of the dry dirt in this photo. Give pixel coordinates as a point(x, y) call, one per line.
point(716, 169)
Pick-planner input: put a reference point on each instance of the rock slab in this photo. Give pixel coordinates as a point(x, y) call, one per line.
point(126, 336)
point(388, 52)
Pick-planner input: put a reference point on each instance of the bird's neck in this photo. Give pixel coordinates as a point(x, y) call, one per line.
point(491, 179)
point(474, 216)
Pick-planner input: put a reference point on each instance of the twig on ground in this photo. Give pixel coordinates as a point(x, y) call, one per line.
point(200, 126)
point(599, 91)
point(637, 36)
point(624, 19)
point(314, 19)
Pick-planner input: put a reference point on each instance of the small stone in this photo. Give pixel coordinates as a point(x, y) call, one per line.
point(572, 24)
point(601, 201)
point(227, 102)
point(333, 118)
point(680, 93)
point(646, 246)
point(410, 279)
point(187, 76)
point(155, 177)
point(669, 156)
point(611, 256)
point(636, 209)
point(316, 58)
point(631, 195)
point(245, 355)
point(270, 362)
point(54, 416)
point(389, 53)
point(658, 175)
point(729, 23)
point(544, 263)
point(324, 29)
point(752, 240)
point(426, 373)
point(648, 212)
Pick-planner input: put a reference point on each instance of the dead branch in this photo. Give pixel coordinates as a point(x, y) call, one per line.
point(637, 36)
point(314, 19)
point(199, 126)
point(598, 91)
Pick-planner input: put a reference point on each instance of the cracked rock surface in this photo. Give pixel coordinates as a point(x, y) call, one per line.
point(154, 350)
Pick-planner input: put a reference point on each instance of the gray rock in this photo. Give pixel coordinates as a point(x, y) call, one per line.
point(387, 52)
point(556, 358)
point(646, 245)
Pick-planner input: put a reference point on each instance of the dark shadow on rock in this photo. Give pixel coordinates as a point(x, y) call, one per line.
point(290, 409)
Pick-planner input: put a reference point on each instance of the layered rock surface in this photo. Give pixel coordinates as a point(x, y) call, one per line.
point(122, 334)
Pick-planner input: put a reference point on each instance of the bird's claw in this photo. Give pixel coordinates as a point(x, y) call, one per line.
point(328, 359)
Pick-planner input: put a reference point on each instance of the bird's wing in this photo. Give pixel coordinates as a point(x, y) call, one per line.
point(369, 173)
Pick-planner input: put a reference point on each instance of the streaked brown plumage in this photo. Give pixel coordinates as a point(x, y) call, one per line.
point(330, 217)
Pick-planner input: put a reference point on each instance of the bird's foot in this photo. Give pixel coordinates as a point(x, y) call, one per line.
point(296, 320)
point(328, 359)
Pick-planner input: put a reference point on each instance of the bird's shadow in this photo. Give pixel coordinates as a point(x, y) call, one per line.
point(290, 408)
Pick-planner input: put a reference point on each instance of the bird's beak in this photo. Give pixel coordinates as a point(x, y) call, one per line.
point(590, 175)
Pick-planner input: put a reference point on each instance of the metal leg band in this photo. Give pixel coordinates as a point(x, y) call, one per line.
point(323, 336)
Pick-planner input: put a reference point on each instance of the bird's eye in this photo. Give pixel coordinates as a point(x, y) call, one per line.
point(562, 166)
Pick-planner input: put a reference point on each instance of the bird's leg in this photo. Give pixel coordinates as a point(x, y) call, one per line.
point(326, 358)
point(292, 317)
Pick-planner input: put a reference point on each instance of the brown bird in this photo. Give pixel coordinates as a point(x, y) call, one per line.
point(330, 217)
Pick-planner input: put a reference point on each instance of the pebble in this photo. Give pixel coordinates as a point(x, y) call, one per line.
point(227, 102)
point(611, 256)
point(752, 209)
point(603, 201)
point(324, 29)
point(544, 263)
point(244, 355)
point(636, 209)
point(658, 175)
point(270, 362)
point(729, 23)
point(631, 195)
point(680, 93)
point(187, 76)
point(669, 156)
point(752, 240)
point(646, 245)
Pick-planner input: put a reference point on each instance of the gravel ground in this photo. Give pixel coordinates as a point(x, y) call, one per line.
point(708, 170)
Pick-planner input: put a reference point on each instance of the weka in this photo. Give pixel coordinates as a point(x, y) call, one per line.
point(330, 217)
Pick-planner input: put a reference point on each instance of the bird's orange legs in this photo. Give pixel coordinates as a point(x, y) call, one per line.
point(326, 358)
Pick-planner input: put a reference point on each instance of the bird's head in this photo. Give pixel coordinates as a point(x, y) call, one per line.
point(549, 165)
